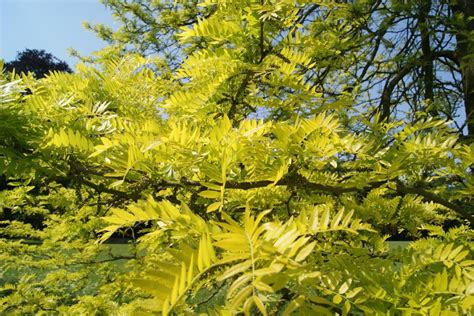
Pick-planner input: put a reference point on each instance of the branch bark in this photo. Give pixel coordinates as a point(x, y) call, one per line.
point(465, 55)
point(427, 67)
point(386, 98)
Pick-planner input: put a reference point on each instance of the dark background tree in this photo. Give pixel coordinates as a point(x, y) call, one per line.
point(39, 62)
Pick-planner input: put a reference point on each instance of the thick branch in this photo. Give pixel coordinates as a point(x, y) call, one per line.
point(297, 180)
point(385, 101)
point(428, 196)
point(104, 189)
point(427, 67)
point(300, 181)
point(465, 53)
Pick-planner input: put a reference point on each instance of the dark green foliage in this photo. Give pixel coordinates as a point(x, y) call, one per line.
point(38, 62)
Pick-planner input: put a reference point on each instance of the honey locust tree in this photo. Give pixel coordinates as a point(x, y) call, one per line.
point(251, 172)
point(398, 57)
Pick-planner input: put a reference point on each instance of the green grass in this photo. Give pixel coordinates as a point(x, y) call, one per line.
point(116, 250)
point(394, 245)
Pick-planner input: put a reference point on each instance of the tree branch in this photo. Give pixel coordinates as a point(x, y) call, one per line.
point(428, 196)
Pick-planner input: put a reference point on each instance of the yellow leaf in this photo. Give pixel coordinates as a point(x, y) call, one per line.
point(443, 284)
point(344, 287)
point(213, 207)
point(189, 276)
point(280, 173)
point(238, 283)
point(259, 304)
point(212, 172)
point(337, 299)
point(239, 268)
point(239, 245)
point(138, 213)
point(272, 269)
point(115, 220)
point(165, 307)
point(301, 241)
point(107, 235)
point(314, 220)
point(210, 194)
point(306, 251)
point(182, 278)
point(461, 255)
point(293, 306)
point(240, 297)
point(325, 219)
point(124, 214)
point(262, 286)
point(455, 252)
point(347, 218)
point(212, 186)
point(286, 240)
point(116, 183)
point(346, 309)
point(337, 218)
point(204, 252)
point(174, 291)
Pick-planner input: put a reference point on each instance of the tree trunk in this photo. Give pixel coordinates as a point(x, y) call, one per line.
point(428, 70)
point(465, 56)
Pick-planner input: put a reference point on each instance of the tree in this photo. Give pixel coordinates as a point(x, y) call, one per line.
point(38, 62)
point(464, 21)
point(396, 54)
point(252, 171)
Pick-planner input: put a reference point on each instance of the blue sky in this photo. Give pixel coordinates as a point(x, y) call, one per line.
point(52, 25)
